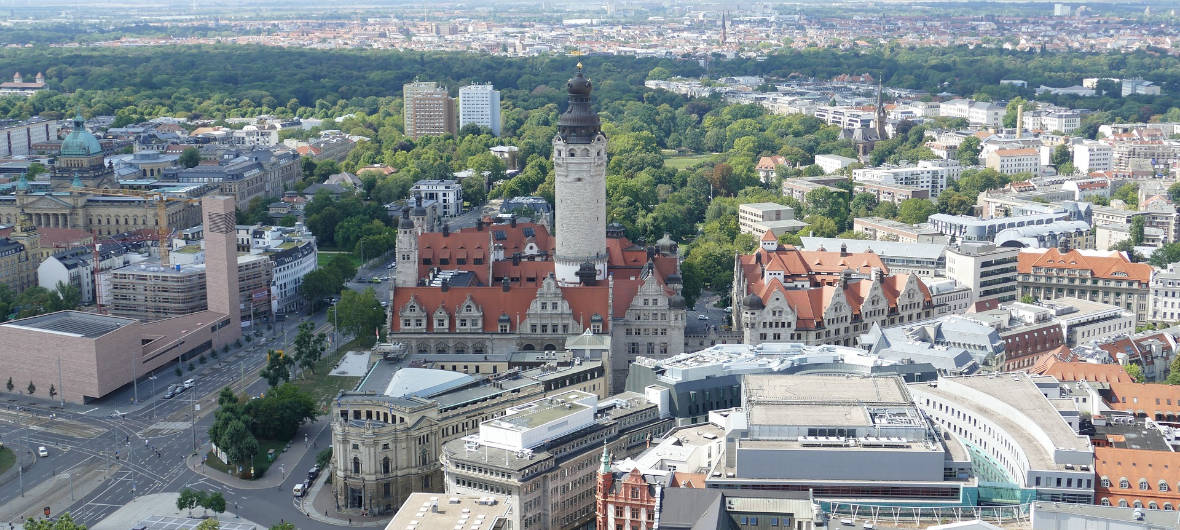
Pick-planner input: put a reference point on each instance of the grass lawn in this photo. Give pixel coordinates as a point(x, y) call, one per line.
point(260, 462)
point(323, 257)
point(683, 162)
point(324, 387)
point(6, 459)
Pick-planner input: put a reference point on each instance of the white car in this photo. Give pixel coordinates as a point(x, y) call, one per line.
point(42, 451)
point(702, 317)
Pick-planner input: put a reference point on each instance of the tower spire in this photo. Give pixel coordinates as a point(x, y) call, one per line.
point(605, 459)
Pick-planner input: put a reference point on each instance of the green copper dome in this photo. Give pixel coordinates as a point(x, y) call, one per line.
point(80, 142)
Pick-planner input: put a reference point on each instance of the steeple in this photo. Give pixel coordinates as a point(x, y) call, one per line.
point(723, 27)
point(605, 460)
point(880, 120)
point(579, 123)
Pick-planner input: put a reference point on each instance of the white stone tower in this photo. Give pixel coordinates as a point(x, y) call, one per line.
point(579, 165)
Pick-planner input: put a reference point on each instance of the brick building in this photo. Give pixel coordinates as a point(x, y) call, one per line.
point(1137, 478)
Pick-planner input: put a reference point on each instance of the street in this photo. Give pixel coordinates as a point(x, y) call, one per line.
point(141, 449)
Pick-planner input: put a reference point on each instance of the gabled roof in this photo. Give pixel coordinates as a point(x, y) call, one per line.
point(1080, 371)
point(1112, 266)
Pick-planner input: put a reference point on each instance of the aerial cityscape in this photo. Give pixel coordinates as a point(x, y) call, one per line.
point(604, 265)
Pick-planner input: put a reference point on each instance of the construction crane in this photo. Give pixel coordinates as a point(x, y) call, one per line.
point(162, 232)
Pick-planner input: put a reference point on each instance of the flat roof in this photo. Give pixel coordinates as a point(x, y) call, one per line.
point(72, 323)
point(426, 511)
point(828, 415)
point(1157, 518)
point(823, 389)
point(542, 411)
point(764, 206)
point(1021, 393)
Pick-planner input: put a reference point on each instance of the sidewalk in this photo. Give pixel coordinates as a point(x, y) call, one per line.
point(288, 461)
point(323, 507)
point(157, 504)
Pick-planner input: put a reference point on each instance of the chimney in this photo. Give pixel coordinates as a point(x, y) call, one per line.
point(446, 286)
point(504, 285)
point(843, 250)
point(1019, 121)
point(516, 258)
point(513, 223)
point(479, 225)
point(446, 229)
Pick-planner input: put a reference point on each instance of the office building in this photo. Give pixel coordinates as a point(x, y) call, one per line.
point(929, 175)
point(1107, 277)
point(427, 110)
point(989, 271)
point(148, 291)
point(17, 137)
point(388, 433)
point(756, 218)
point(480, 105)
point(544, 455)
point(448, 193)
point(841, 439)
point(1015, 428)
point(882, 229)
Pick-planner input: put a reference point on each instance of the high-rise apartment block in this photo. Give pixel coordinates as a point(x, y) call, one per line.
point(428, 110)
point(480, 104)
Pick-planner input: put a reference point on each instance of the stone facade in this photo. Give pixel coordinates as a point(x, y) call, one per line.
point(386, 447)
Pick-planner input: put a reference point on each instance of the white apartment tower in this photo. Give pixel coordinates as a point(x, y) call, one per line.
point(579, 166)
point(480, 104)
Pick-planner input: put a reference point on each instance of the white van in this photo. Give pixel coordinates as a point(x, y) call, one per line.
point(299, 490)
point(189, 383)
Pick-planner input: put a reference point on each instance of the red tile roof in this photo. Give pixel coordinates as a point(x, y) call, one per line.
point(1080, 371)
point(1114, 266)
point(1114, 464)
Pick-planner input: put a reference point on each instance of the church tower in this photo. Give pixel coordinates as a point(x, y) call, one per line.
point(579, 166)
point(407, 252)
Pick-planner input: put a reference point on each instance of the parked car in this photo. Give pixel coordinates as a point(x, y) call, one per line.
point(42, 451)
point(189, 383)
point(299, 489)
point(313, 473)
point(702, 317)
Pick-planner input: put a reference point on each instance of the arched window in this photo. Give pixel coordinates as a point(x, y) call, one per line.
point(1138, 503)
point(1124, 483)
point(1122, 503)
point(1153, 506)
point(1163, 485)
point(356, 465)
point(385, 465)
point(1105, 501)
point(1168, 507)
point(1105, 481)
point(1143, 484)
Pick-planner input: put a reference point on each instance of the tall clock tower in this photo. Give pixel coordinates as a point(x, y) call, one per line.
point(579, 165)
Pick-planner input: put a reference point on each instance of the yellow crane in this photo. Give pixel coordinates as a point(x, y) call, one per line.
point(162, 231)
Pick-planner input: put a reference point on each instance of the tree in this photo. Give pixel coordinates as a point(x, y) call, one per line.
point(187, 500)
point(1135, 371)
point(1061, 155)
point(190, 157)
point(1128, 193)
point(278, 415)
point(1137, 224)
point(968, 152)
point(1174, 372)
point(359, 314)
point(1174, 192)
point(283, 526)
point(474, 191)
point(1027, 299)
point(1165, 255)
point(210, 524)
point(32, 388)
point(914, 211)
point(214, 501)
point(239, 444)
point(278, 368)
point(309, 346)
point(1010, 110)
point(63, 522)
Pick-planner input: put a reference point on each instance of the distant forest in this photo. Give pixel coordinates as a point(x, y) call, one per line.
point(233, 80)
